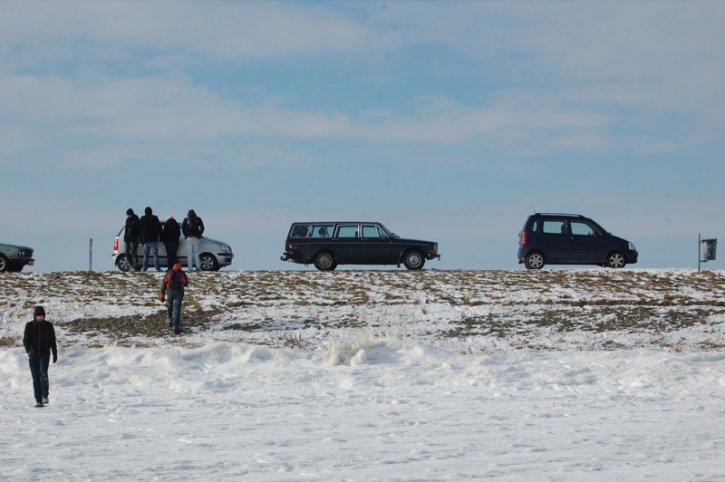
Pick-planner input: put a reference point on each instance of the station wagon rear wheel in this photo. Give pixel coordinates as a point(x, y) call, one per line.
point(534, 260)
point(413, 259)
point(616, 260)
point(4, 264)
point(324, 261)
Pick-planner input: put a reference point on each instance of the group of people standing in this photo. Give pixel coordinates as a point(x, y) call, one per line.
point(149, 231)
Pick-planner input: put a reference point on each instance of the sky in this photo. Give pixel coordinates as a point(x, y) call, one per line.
point(446, 121)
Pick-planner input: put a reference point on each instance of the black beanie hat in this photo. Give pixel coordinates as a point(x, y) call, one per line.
point(148, 210)
point(39, 310)
point(129, 212)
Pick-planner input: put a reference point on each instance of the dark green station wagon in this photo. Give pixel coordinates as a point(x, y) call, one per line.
point(13, 258)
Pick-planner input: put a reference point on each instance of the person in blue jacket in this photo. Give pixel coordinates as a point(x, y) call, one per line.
point(39, 341)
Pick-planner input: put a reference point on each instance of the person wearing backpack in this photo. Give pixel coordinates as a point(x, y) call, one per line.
point(39, 341)
point(193, 229)
point(172, 292)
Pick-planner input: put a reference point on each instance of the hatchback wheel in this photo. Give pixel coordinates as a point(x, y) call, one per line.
point(123, 264)
point(413, 259)
point(208, 262)
point(616, 260)
point(324, 261)
point(534, 260)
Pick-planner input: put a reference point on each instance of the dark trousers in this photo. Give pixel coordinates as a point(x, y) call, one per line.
point(39, 370)
point(173, 303)
point(171, 248)
point(132, 253)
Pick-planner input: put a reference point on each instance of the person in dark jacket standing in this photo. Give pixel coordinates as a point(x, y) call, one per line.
point(39, 341)
point(150, 229)
point(130, 237)
point(193, 228)
point(172, 292)
point(170, 236)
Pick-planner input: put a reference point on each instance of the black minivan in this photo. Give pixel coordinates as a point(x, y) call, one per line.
point(571, 239)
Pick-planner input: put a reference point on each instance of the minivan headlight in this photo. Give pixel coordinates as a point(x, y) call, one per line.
point(225, 248)
point(631, 247)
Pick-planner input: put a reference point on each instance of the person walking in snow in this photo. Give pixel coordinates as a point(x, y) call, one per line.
point(39, 341)
point(193, 229)
point(172, 292)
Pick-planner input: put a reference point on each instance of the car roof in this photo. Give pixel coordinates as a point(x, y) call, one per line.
point(561, 215)
point(337, 222)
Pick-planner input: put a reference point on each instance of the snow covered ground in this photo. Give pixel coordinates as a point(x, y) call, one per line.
point(371, 375)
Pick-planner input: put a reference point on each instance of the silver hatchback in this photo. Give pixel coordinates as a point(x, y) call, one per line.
point(213, 254)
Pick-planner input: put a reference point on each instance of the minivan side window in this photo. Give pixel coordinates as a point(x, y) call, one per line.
point(582, 229)
point(349, 231)
point(554, 227)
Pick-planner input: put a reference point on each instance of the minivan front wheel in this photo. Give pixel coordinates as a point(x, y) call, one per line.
point(616, 260)
point(534, 260)
point(413, 260)
point(324, 261)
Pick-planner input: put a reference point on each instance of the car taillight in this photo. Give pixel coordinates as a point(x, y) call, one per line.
point(524, 238)
point(115, 244)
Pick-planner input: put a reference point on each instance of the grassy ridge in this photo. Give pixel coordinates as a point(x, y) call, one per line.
point(297, 306)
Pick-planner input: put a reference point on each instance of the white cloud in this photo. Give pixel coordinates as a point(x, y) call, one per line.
point(161, 109)
point(221, 30)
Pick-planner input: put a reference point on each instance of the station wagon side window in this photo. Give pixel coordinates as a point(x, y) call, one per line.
point(582, 229)
point(300, 231)
point(322, 230)
point(553, 226)
point(371, 232)
point(347, 231)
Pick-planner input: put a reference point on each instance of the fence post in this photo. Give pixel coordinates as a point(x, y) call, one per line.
point(90, 255)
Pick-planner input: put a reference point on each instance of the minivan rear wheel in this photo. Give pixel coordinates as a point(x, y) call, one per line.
point(534, 260)
point(616, 260)
point(324, 261)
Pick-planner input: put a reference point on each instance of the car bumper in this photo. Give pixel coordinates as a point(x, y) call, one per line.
point(632, 257)
point(22, 261)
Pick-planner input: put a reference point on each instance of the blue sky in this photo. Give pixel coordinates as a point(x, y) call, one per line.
point(447, 121)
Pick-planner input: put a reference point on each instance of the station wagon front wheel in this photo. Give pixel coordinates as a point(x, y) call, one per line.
point(534, 260)
point(413, 260)
point(4, 264)
point(324, 261)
